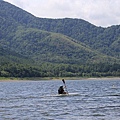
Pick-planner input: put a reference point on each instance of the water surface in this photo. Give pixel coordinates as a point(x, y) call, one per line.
point(36, 100)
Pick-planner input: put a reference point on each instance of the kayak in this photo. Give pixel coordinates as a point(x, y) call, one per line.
point(64, 95)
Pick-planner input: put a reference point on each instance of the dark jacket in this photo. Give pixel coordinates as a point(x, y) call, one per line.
point(61, 90)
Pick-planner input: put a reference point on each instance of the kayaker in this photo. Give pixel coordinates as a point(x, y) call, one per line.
point(61, 90)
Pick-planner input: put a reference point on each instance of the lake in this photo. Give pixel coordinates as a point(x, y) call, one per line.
point(36, 100)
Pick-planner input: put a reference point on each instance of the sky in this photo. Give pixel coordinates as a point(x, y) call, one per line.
point(102, 13)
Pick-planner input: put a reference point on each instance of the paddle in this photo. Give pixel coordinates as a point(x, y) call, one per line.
point(65, 85)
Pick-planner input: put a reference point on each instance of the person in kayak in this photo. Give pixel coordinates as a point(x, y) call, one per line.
point(61, 90)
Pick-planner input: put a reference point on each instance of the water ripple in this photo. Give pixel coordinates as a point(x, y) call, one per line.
point(97, 100)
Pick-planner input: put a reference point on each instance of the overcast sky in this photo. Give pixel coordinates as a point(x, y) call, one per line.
point(98, 12)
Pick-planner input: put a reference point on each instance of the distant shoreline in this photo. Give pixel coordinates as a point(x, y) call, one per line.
point(56, 78)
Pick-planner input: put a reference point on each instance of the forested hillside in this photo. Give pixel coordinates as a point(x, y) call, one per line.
point(11, 56)
point(105, 40)
point(40, 47)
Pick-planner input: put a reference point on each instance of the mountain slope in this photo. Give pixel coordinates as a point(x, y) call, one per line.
point(7, 56)
point(51, 47)
point(98, 38)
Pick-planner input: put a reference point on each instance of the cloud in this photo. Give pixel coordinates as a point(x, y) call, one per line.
point(98, 12)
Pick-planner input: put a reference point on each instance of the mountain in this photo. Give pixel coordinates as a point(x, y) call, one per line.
point(98, 38)
point(73, 42)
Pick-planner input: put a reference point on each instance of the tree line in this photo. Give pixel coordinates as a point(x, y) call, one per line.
point(60, 70)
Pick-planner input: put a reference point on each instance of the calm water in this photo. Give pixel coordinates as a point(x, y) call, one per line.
point(35, 100)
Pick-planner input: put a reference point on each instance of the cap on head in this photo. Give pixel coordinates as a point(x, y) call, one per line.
point(61, 86)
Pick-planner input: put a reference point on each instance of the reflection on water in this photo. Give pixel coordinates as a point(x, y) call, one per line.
point(36, 100)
